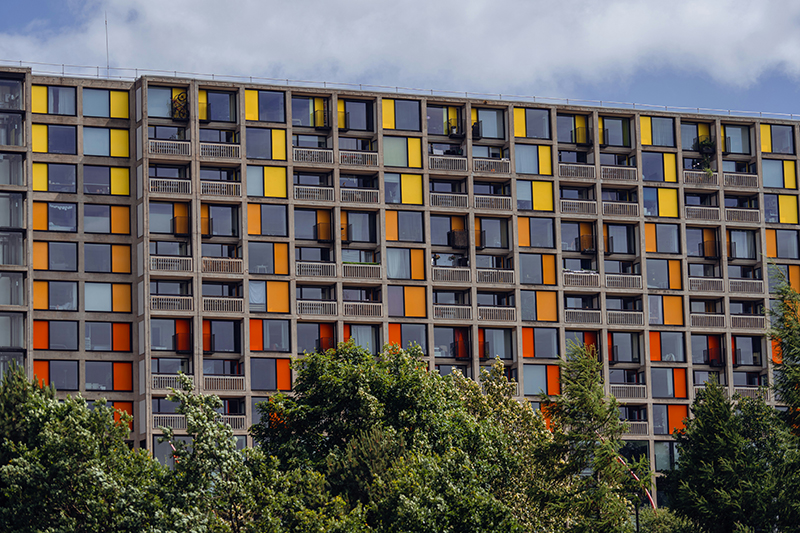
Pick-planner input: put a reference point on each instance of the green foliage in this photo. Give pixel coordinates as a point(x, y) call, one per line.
point(664, 520)
point(785, 332)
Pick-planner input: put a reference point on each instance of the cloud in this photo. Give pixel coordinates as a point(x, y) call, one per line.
point(514, 47)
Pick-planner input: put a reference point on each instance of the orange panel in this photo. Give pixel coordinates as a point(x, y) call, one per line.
point(457, 223)
point(180, 209)
point(284, 374)
point(120, 219)
point(41, 372)
point(205, 220)
point(418, 264)
point(777, 355)
point(549, 269)
point(395, 334)
point(553, 380)
point(40, 216)
point(585, 229)
point(794, 277)
point(655, 346)
point(326, 332)
point(41, 335)
point(650, 242)
point(253, 219)
point(324, 219)
point(477, 225)
point(714, 348)
point(40, 255)
point(125, 407)
point(546, 306)
point(391, 226)
point(281, 257)
point(277, 297)
point(524, 229)
point(41, 299)
point(675, 415)
point(481, 341)
point(346, 332)
point(673, 310)
point(679, 377)
point(121, 336)
point(183, 330)
point(206, 335)
point(527, 342)
point(674, 274)
point(256, 335)
point(610, 347)
point(709, 235)
point(121, 298)
point(605, 237)
point(772, 244)
point(121, 258)
point(590, 339)
point(123, 376)
point(416, 305)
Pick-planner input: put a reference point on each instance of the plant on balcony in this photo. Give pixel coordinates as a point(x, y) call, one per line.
point(707, 149)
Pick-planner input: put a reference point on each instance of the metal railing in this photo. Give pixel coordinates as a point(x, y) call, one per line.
point(451, 274)
point(581, 279)
point(497, 314)
point(169, 421)
point(223, 305)
point(572, 170)
point(618, 173)
point(742, 215)
point(169, 186)
point(313, 155)
point(743, 181)
point(361, 196)
point(625, 318)
point(224, 383)
point(361, 271)
point(167, 381)
point(700, 177)
point(170, 264)
point(752, 392)
point(450, 163)
point(623, 281)
point(485, 275)
point(491, 166)
point(452, 312)
point(705, 285)
point(220, 150)
point(163, 147)
point(315, 269)
point(308, 192)
point(638, 428)
point(628, 392)
point(316, 307)
point(358, 159)
point(171, 303)
point(502, 203)
point(221, 188)
point(583, 316)
point(363, 309)
point(222, 265)
point(234, 421)
point(748, 322)
point(621, 209)
point(694, 212)
point(443, 199)
point(747, 286)
point(701, 320)
point(578, 207)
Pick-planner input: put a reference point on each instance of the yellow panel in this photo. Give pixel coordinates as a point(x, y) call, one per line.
point(280, 256)
point(40, 261)
point(319, 105)
point(789, 175)
point(674, 274)
point(40, 177)
point(40, 295)
point(452, 115)
point(549, 269)
point(277, 297)
point(39, 138)
point(703, 130)
point(121, 258)
point(474, 115)
point(39, 99)
point(787, 207)
point(388, 114)
point(722, 136)
point(341, 112)
point(275, 182)
point(417, 264)
point(120, 219)
point(120, 181)
point(600, 133)
point(545, 161)
point(520, 129)
point(542, 196)
point(120, 145)
point(279, 145)
point(415, 302)
point(121, 298)
point(668, 202)
point(772, 243)
point(254, 219)
point(547, 306)
point(650, 242)
point(119, 104)
point(670, 168)
point(457, 223)
point(673, 310)
point(250, 104)
point(411, 188)
point(580, 129)
point(647, 130)
point(585, 229)
point(523, 231)
point(202, 104)
point(391, 226)
point(766, 138)
point(177, 91)
point(415, 153)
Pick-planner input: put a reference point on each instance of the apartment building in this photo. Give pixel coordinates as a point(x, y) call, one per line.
point(219, 229)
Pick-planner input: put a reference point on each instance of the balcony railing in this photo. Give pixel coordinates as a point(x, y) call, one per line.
point(700, 177)
point(625, 318)
point(171, 303)
point(621, 209)
point(694, 212)
point(452, 312)
point(700, 320)
point(358, 159)
point(742, 181)
point(628, 391)
point(705, 285)
point(361, 271)
point(619, 174)
point(742, 215)
point(638, 428)
point(486, 275)
point(315, 269)
point(451, 163)
point(752, 392)
point(169, 421)
point(443, 199)
point(748, 322)
point(497, 314)
point(167, 381)
point(221, 188)
point(222, 265)
point(313, 155)
point(698, 388)
point(583, 316)
point(170, 264)
point(224, 383)
point(623, 281)
point(746, 286)
point(169, 186)
point(491, 166)
point(234, 421)
point(363, 309)
point(160, 147)
point(502, 203)
point(223, 305)
point(579, 207)
point(581, 279)
point(307, 192)
point(220, 150)
point(316, 307)
point(361, 196)
point(572, 170)
point(451, 274)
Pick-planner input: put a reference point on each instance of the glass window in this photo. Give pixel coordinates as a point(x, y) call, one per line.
point(11, 169)
point(97, 257)
point(527, 158)
point(221, 106)
point(652, 166)
point(98, 297)
point(497, 343)
point(96, 218)
point(537, 123)
point(415, 334)
point(624, 347)
point(616, 131)
point(271, 107)
point(274, 220)
point(398, 263)
point(96, 103)
point(409, 226)
point(495, 232)
point(61, 178)
point(772, 171)
point(535, 379)
point(259, 143)
point(11, 129)
point(667, 239)
point(782, 141)
point(302, 111)
point(159, 102)
point(395, 152)
point(662, 383)
point(407, 115)
point(672, 347)
point(787, 247)
point(99, 375)
point(542, 232)
point(658, 274)
point(96, 141)
point(492, 123)
point(11, 95)
point(663, 131)
point(276, 336)
point(61, 100)
point(64, 375)
point(743, 244)
point(737, 139)
point(63, 295)
point(61, 139)
point(63, 335)
point(62, 256)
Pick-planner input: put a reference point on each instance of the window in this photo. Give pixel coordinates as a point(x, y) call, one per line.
point(620, 239)
point(55, 295)
point(54, 177)
point(221, 336)
point(115, 219)
point(541, 379)
point(54, 139)
point(11, 95)
point(540, 343)
point(107, 297)
point(668, 382)
point(667, 419)
point(742, 244)
point(170, 365)
point(666, 310)
point(310, 112)
point(535, 195)
point(692, 135)
point(667, 346)
point(11, 169)
point(533, 159)
point(365, 336)
point(105, 142)
point(219, 220)
point(270, 374)
point(701, 242)
point(401, 115)
point(657, 131)
point(493, 232)
point(216, 106)
point(12, 251)
point(781, 208)
point(53, 100)
point(536, 232)
point(310, 141)
point(12, 212)
point(107, 375)
point(114, 258)
point(572, 129)
point(707, 349)
point(63, 375)
point(264, 106)
point(313, 337)
point(105, 103)
point(267, 219)
point(406, 334)
point(662, 238)
point(58, 335)
point(614, 131)
point(402, 152)
point(491, 123)
point(532, 123)
point(166, 133)
point(171, 335)
point(664, 274)
point(782, 244)
point(451, 342)
point(264, 143)
point(405, 263)
point(407, 301)
point(54, 255)
point(779, 174)
point(355, 115)
point(737, 139)
point(312, 224)
point(660, 202)
point(403, 188)
point(659, 167)
point(269, 296)
point(167, 102)
point(12, 128)
point(448, 231)
point(106, 180)
point(269, 335)
point(54, 216)
point(405, 226)
point(269, 258)
point(539, 306)
point(496, 342)
point(578, 237)
point(776, 139)
point(624, 347)
point(537, 269)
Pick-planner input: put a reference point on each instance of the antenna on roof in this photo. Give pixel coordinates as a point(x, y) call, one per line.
point(108, 62)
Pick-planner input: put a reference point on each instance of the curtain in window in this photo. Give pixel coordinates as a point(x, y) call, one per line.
point(258, 296)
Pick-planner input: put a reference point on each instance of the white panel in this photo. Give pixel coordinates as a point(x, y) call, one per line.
point(139, 142)
point(140, 219)
point(141, 339)
point(140, 258)
point(142, 418)
point(138, 104)
point(139, 183)
point(142, 377)
point(141, 298)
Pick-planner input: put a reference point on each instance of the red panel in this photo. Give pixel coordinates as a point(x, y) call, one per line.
point(676, 414)
point(346, 332)
point(256, 335)
point(41, 371)
point(41, 335)
point(206, 335)
point(527, 342)
point(553, 380)
point(123, 376)
point(121, 337)
point(395, 334)
point(679, 377)
point(125, 407)
point(610, 347)
point(655, 346)
point(183, 330)
point(284, 374)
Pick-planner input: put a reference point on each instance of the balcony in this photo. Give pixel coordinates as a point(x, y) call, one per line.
point(234, 421)
point(223, 305)
point(741, 181)
point(317, 194)
point(161, 147)
point(222, 265)
point(167, 381)
point(581, 279)
point(220, 151)
point(584, 244)
point(169, 421)
point(451, 274)
point(700, 177)
point(623, 281)
point(448, 163)
point(457, 200)
point(752, 392)
point(323, 156)
point(452, 312)
point(625, 318)
point(221, 188)
point(619, 174)
point(491, 166)
point(705, 285)
point(361, 196)
point(361, 271)
point(746, 286)
point(315, 269)
point(698, 388)
point(578, 207)
point(628, 391)
point(496, 203)
point(486, 275)
point(742, 215)
point(748, 322)
point(583, 316)
point(171, 303)
point(576, 171)
point(169, 186)
point(363, 309)
point(358, 159)
point(621, 209)
point(702, 320)
point(170, 264)
point(497, 314)
point(694, 212)
point(223, 383)
point(316, 308)
point(637, 428)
